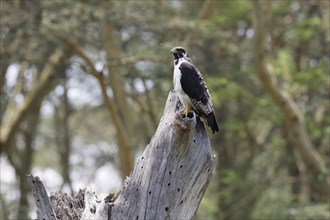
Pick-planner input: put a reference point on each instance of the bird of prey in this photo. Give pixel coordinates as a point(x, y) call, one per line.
point(191, 88)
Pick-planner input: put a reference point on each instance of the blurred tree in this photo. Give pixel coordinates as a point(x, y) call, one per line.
point(63, 111)
point(22, 120)
point(297, 136)
point(113, 57)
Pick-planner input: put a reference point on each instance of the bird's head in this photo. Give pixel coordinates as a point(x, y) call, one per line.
point(179, 52)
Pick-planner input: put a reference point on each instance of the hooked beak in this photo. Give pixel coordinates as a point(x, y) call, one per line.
point(173, 51)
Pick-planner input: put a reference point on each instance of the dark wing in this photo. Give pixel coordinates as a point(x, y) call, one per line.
point(193, 85)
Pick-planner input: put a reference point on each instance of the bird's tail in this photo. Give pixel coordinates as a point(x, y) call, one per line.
point(212, 122)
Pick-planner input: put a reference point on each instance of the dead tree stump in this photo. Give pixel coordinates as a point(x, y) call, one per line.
point(168, 181)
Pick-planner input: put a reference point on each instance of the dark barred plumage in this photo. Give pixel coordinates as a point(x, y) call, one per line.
point(191, 88)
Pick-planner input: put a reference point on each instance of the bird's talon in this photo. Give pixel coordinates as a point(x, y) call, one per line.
point(182, 113)
point(186, 113)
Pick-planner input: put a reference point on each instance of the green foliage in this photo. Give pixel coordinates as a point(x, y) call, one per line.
point(307, 29)
point(222, 89)
point(273, 203)
point(254, 178)
point(231, 12)
point(311, 211)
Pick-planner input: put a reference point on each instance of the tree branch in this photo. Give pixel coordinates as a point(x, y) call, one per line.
point(124, 151)
point(46, 81)
point(293, 115)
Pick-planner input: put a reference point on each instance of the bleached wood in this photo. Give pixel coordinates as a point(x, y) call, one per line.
point(171, 176)
point(94, 208)
point(168, 181)
point(44, 208)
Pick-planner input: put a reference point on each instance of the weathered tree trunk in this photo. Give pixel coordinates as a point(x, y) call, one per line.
point(172, 174)
point(44, 208)
point(168, 181)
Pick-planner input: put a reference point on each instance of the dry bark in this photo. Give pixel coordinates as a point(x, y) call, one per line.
point(168, 181)
point(44, 208)
point(172, 174)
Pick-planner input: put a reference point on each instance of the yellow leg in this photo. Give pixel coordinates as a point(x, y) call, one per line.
point(183, 111)
point(186, 110)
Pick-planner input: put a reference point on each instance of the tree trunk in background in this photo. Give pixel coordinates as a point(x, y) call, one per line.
point(21, 160)
point(26, 159)
point(116, 80)
point(114, 55)
point(126, 158)
point(297, 172)
point(14, 116)
point(63, 135)
point(294, 120)
point(23, 120)
point(3, 71)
